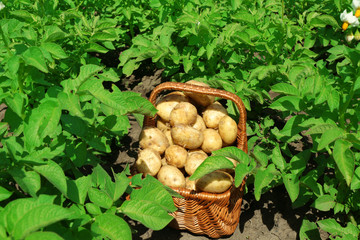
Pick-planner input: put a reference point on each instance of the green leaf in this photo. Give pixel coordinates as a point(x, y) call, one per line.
point(43, 235)
point(320, 128)
point(234, 153)
point(33, 56)
point(323, 20)
point(153, 190)
point(93, 209)
point(95, 47)
point(4, 193)
point(77, 189)
point(112, 227)
point(288, 103)
point(100, 198)
point(324, 203)
point(86, 72)
point(333, 100)
point(278, 159)
point(54, 174)
point(263, 178)
point(29, 181)
point(241, 170)
point(285, 88)
point(211, 164)
point(100, 177)
point(355, 183)
point(70, 102)
point(344, 159)
point(309, 231)
point(42, 122)
point(13, 65)
point(331, 226)
point(37, 218)
point(291, 182)
point(121, 184)
point(53, 33)
point(148, 213)
point(103, 36)
point(299, 161)
point(330, 136)
point(55, 50)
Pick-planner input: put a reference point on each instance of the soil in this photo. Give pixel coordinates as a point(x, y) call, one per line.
point(271, 218)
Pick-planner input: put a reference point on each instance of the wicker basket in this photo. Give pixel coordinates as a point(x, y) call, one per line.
point(205, 213)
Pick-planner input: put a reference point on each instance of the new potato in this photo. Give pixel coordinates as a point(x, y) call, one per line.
point(148, 162)
point(228, 130)
point(186, 136)
point(200, 99)
point(214, 182)
point(176, 156)
point(171, 176)
point(213, 114)
point(183, 113)
point(212, 140)
point(167, 104)
point(193, 161)
point(152, 137)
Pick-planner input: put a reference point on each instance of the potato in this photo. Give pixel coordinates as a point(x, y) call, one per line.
point(200, 99)
point(151, 137)
point(163, 162)
point(171, 176)
point(228, 130)
point(162, 125)
point(199, 124)
point(183, 113)
point(167, 133)
point(190, 184)
point(176, 156)
point(186, 136)
point(212, 140)
point(193, 161)
point(198, 150)
point(148, 162)
point(167, 104)
point(213, 114)
point(214, 182)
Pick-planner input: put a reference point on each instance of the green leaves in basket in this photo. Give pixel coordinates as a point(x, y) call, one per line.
point(211, 164)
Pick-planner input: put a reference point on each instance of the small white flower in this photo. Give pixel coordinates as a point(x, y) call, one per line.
point(348, 19)
point(2, 6)
point(349, 37)
point(356, 6)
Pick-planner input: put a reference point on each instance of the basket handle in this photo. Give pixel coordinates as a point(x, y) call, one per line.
point(241, 133)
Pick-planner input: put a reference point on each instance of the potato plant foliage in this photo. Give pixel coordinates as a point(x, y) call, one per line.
point(62, 116)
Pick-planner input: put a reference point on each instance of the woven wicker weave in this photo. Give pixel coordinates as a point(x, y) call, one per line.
point(205, 213)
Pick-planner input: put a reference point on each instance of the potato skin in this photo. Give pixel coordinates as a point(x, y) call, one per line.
point(148, 162)
point(212, 140)
point(199, 124)
point(183, 113)
point(162, 125)
point(193, 161)
point(200, 99)
point(214, 182)
point(152, 137)
point(213, 114)
point(176, 156)
point(167, 133)
point(187, 136)
point(171, 176)
point(167, 104)
point(228, 130)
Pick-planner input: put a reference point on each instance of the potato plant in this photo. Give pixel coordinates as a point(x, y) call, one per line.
point(295, 64)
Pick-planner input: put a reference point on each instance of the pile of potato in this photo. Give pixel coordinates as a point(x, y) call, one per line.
point(189, 127)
